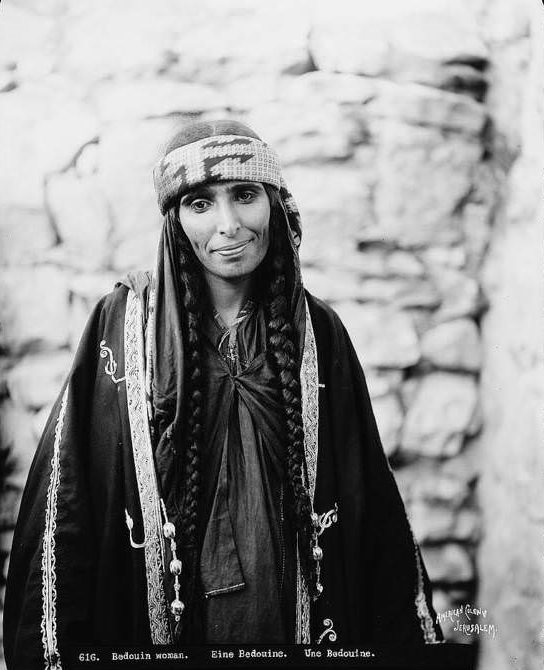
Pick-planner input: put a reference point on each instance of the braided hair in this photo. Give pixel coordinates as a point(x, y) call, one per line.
point(187, 476)
point(282, 352)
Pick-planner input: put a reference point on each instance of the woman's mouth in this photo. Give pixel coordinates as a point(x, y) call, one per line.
point(233, 249)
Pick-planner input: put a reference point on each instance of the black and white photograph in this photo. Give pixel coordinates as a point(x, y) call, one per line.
point(271, 324)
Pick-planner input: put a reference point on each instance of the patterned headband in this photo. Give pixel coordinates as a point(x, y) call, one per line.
point(222, 158)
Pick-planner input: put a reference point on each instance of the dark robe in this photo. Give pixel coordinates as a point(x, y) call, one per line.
point(74, 577)
point(244, 497)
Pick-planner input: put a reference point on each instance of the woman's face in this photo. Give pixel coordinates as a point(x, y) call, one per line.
point(227, 225)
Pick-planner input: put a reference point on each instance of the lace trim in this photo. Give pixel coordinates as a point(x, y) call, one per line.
point(49, 575)
point(425, 619)
point(309, 386)
point(145, 471)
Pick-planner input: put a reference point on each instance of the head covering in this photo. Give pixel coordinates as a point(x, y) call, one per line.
point(211, 151)
point(199, 153)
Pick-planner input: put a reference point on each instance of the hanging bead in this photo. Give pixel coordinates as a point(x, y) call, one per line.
point(169, 530)
point(317, 553)
point(175, 566)
point(177, 608)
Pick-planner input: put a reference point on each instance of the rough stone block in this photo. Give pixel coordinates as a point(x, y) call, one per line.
point(421, 105)
point(440, 414)
point(389, 416)
point(450, 563)
point(81, 216)
point(157, 40)
point(476, 221)
point(29, 40)
point(440, 523)
point(153, 98)
point(461, 295)
point(453, 345)
point(39, 419)
point(332, 202)
point(91, 286)
point(16, 435)
point(127, 154)
point(430, 483)
point(42, 128)
point(219, 56)
point(411, 207)
point(341, 89)
point(306, 131)
point(85, 291)
point(382, 337)
point(398, 292)
point(430, 524)
point(137, 251)
point(420, 41)
point(36, 380)
point(381, 262)
point(331, 286)
point(382, 382)
point(25, 234)
point(33, 308)
point(9, 503)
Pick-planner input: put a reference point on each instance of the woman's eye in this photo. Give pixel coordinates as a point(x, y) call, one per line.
point(246, 196)
point(199, 205)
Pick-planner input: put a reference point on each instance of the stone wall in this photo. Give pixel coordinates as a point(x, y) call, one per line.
point(511, 493)
point(390, 119)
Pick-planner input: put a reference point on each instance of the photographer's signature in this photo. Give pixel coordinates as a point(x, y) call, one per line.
point(468, 620)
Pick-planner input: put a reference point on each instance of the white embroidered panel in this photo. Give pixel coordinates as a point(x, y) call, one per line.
point(145, 471)
point(49, 567)
point(309, 386)
point(422, 608)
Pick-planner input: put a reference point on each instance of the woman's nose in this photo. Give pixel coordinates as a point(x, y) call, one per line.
point(228, 222)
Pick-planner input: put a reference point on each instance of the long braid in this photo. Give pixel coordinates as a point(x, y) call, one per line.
point(188, 470)
point(281, 344)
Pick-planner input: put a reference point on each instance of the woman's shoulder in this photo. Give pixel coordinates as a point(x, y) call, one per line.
point(109, 311)
point(137, 282)
point(323, 314)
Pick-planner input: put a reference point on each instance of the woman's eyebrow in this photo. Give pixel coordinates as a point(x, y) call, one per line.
point(201, 192)
point(244, 185)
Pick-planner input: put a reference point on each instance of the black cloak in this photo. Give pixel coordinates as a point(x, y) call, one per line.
point(74, 577)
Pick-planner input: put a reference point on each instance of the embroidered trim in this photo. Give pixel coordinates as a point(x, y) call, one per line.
point(220, 157)
point(149, 339)
point(310, 419)
point(49, 575)
point(225, 589)
point(302, 633)
point(310, 402)
point(329, 631)
point(425, 619)
point(327, 519)
point(145, 471)
point(110, 368)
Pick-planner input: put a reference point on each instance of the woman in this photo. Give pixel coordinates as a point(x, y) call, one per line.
point(212, 471)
